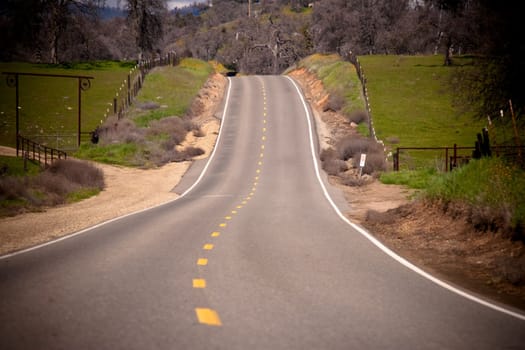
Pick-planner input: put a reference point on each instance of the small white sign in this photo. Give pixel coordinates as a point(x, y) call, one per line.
point(363, 160)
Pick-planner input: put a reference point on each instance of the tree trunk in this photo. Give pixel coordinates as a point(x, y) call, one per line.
point(448, 52)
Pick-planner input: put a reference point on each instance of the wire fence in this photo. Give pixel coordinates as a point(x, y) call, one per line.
point(447, 158)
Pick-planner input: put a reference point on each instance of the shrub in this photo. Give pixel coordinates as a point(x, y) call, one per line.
point(331, 164)
point(354, 181)
point(175, 127)
point(350, 146)
point(190, 152)
point(77, 172)
point(375, 162)
point(335, 166)
point(12, 187)
point(123, 131)
point(56, 185)
point(357, 117)
point(335, 102)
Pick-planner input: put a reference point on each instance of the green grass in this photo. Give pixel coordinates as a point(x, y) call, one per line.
point(49, 106)
point(417, 179)
point(412, 102)
point(485, 183)
point(82, 194)
point(339, 78)
point(118, 154)
point(14, 166)
point(174, 88)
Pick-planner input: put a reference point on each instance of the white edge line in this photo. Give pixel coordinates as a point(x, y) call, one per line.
point(380, 245)
point(63, 238)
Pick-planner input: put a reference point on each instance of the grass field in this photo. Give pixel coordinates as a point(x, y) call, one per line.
point(173, 88)
point(411, 102)
point(49, 106)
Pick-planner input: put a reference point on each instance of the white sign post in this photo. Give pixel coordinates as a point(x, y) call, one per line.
point(362, 162)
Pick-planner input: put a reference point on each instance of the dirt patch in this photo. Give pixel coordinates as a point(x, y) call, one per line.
point(127, 189)
point(440, 241)
point(445, 244)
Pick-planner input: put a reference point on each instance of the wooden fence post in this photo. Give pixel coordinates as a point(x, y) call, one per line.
point(396, 160)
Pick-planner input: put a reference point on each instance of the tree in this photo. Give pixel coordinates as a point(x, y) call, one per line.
point(498, 71)
point(41, 25)
point(147, 18)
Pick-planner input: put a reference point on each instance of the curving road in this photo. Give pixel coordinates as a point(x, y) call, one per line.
point(253, 256)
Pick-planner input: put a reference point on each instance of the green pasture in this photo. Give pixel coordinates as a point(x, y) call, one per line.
point(411, 102)
point(173, 88)
point(48, 107)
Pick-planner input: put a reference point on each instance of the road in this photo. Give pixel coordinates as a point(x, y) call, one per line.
point(253, 256)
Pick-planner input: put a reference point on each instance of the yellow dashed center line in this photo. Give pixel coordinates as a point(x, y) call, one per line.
point(208, 317)
point(199, 283)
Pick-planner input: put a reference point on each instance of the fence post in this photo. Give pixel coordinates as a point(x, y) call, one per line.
point(446, 160)
point(396, 160)
point(129, 89)
point(455, 164)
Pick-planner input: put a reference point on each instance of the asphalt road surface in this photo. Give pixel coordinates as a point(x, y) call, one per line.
point(254, 256)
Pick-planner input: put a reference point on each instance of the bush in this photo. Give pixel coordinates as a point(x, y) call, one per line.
point(350, 146)
point(77, 172)
point(330, 163)
point(335, 102)
point(357, 117)
point(375, 162)
point(123, 131)
point(56, 185)
point(335, 166)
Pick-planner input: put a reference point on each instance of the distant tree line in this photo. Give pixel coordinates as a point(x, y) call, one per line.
point(271, 35)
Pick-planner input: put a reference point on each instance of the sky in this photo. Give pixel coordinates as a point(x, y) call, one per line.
point(171, 3)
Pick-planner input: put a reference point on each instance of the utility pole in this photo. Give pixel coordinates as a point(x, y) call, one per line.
point(249, 8)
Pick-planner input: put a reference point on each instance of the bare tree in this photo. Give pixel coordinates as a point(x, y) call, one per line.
point(147, 18)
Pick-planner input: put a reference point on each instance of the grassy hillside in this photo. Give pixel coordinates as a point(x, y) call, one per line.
point(173, 88)
point(48, 106)
point(412, 103)
point(339, 79)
